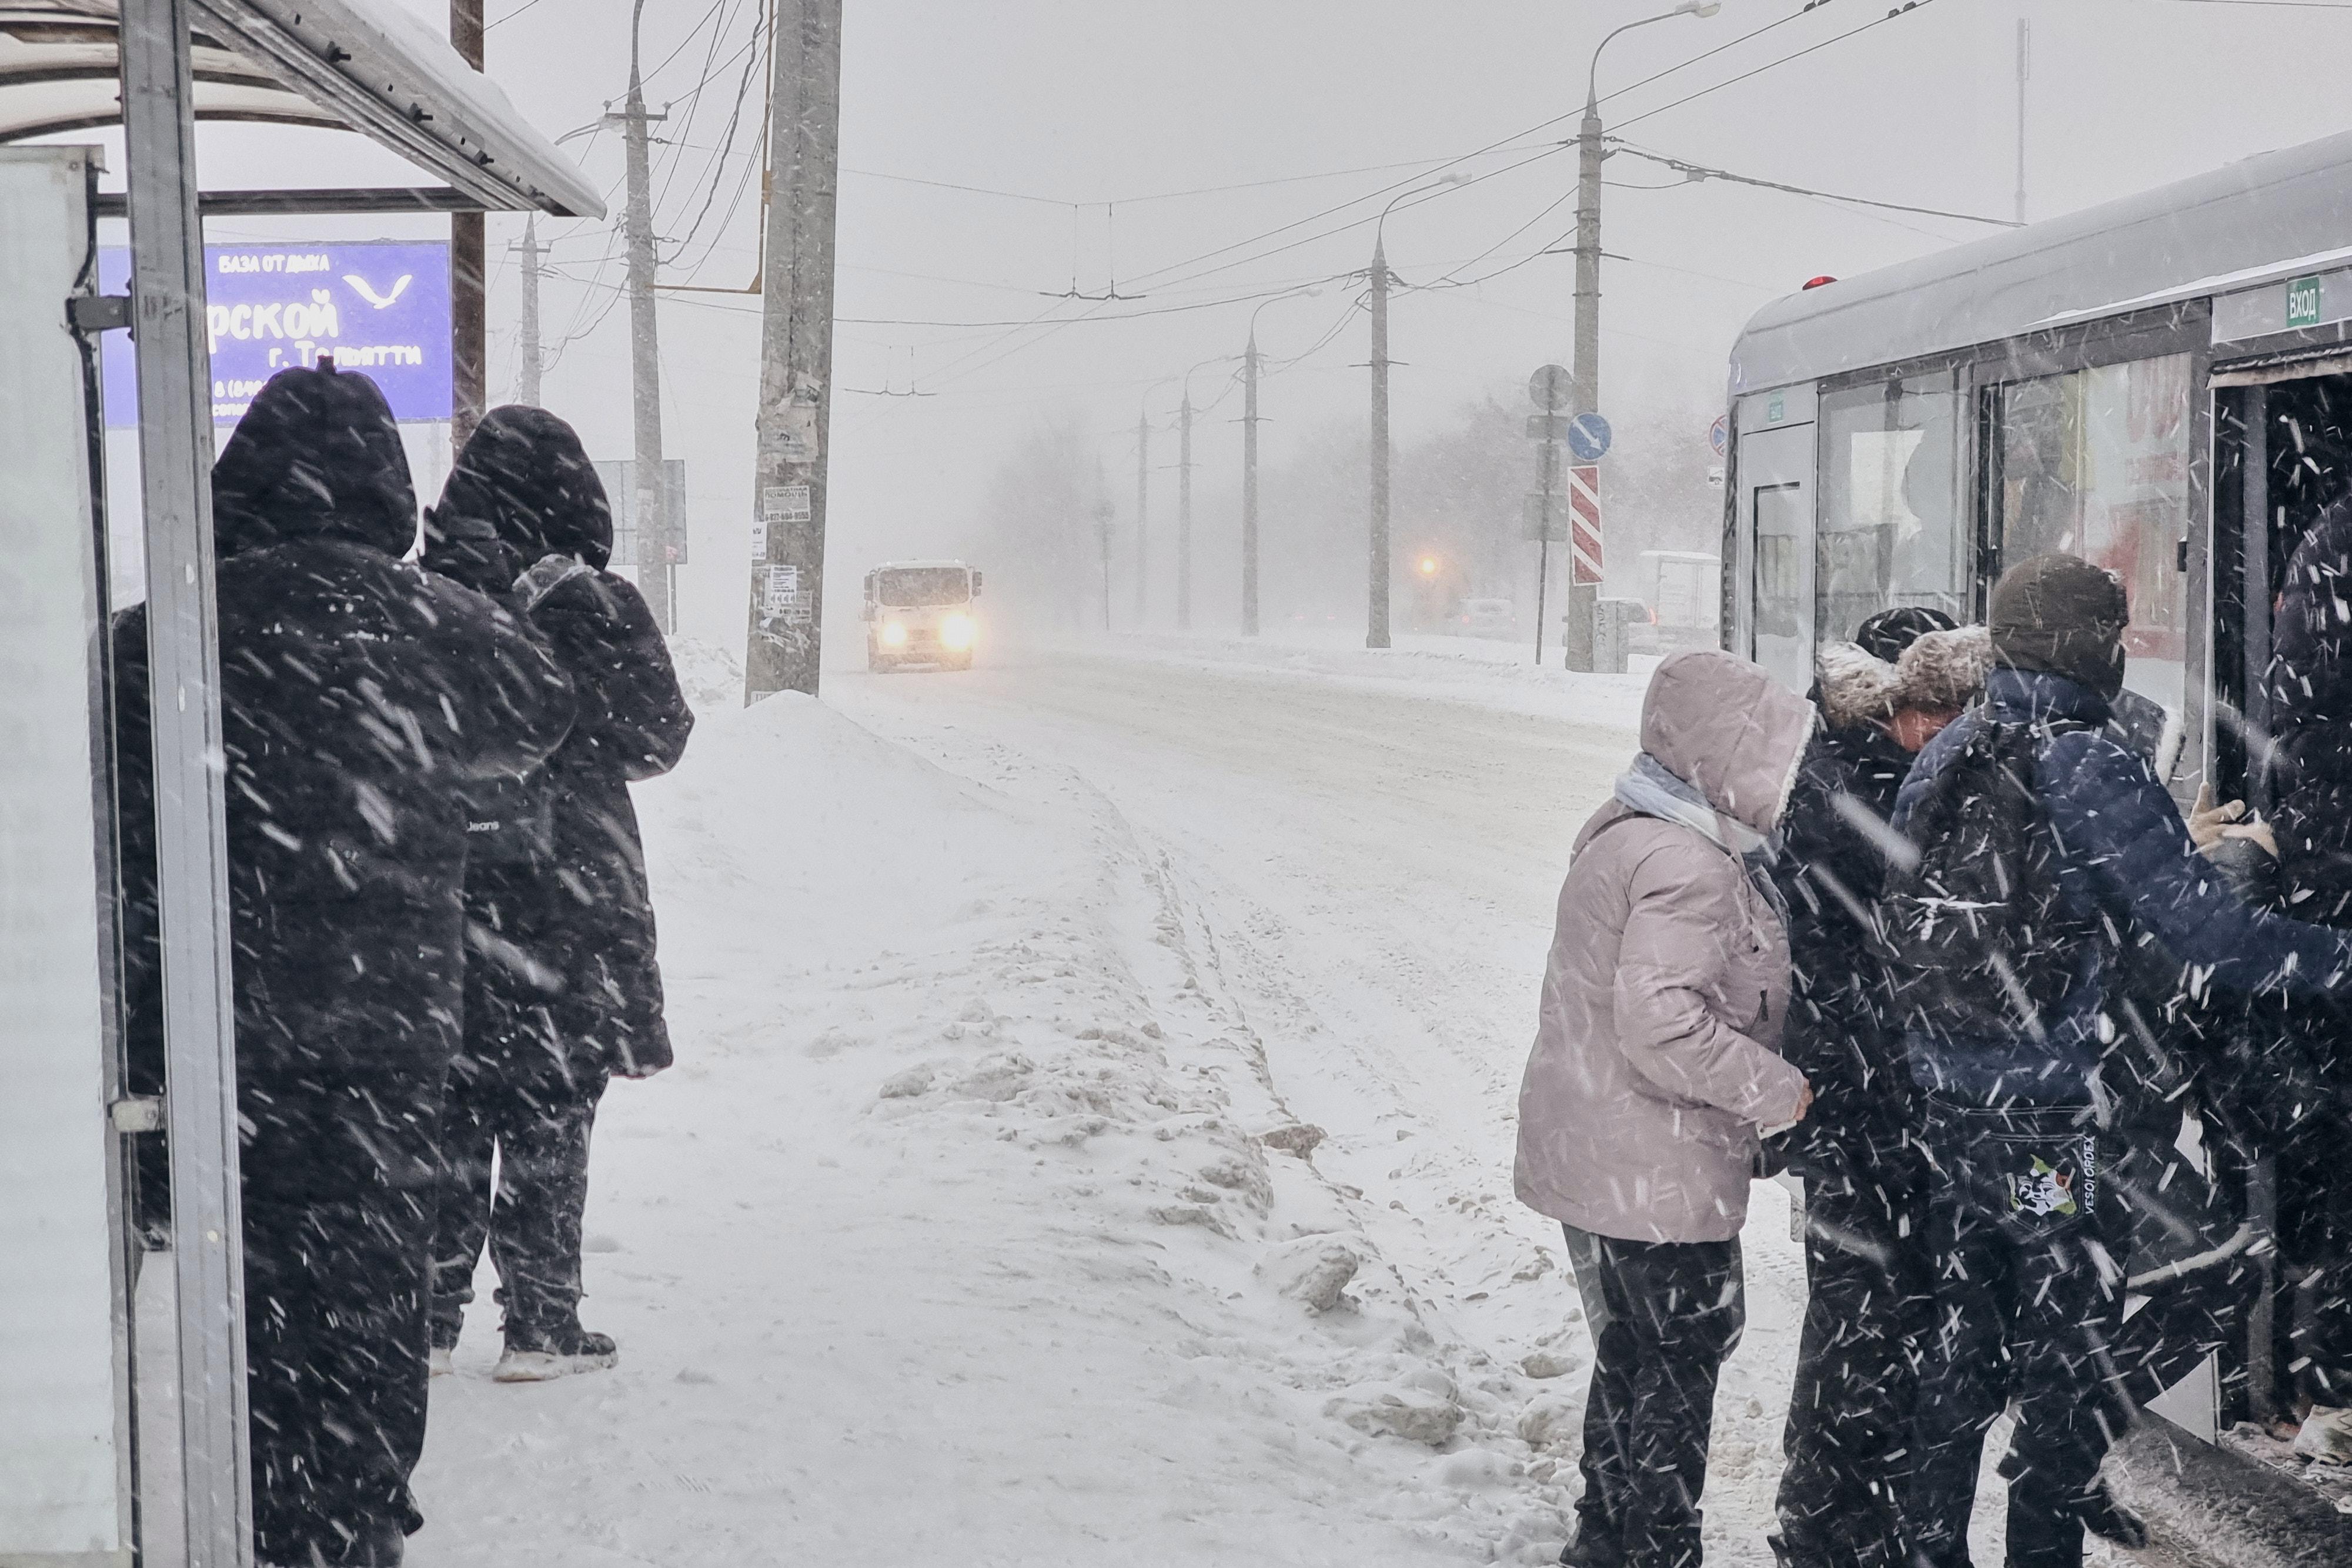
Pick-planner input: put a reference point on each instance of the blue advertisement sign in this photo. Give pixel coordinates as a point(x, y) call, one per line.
point(381, 307)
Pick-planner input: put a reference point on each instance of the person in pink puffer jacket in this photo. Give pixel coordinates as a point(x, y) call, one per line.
point(1652, 1074)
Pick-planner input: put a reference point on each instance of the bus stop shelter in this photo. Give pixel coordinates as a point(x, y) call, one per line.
point(68, 1456)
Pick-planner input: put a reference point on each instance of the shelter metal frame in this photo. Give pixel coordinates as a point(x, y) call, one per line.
point(326, 63)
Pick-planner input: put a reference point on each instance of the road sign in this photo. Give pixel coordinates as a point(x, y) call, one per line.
point(1584, 522)
point(1547, 426)
point(1589, 436)
point(1545, 518)
point(1718, 434)
point(1552, 388)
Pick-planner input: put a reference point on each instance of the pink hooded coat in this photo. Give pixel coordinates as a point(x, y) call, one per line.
point(1655, 1059)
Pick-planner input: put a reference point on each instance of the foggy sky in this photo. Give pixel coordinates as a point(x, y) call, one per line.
point(1086, 103)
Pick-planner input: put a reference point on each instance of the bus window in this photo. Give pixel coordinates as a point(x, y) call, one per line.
point(1784, 640)
point(2096, 463)
point(1890, 523)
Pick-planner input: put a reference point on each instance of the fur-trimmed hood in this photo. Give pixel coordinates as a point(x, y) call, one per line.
point(1939, 670)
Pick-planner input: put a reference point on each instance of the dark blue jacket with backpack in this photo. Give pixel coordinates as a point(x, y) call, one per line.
point(2130, 876)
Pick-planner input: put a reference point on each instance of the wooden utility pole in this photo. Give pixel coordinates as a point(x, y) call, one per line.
point(795, 353)
point(650, 505)
point(533, 356)
point(1249, 488)
point(468, 344)
point(1376, 629)
point(1184, 515)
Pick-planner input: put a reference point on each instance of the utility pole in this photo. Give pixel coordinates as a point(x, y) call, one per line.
point(1184, 516)
point(1249, 488)
point(2024, 70)
point(795, 352)
point(469, 351)
point(534, 366)
point(1104, 513)
point(650, 504)
point(1376, 632)
point(1577, 634)
point(1142, 504)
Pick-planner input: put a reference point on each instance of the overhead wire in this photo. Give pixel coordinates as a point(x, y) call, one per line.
point(1910, 8)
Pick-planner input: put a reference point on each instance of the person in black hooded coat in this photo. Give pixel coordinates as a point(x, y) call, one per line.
point(1870, 1289)
point(359, 694)
point(562, 986)
point(2303, 1108)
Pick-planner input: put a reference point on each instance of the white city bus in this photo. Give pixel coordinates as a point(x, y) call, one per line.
point(2162, 385)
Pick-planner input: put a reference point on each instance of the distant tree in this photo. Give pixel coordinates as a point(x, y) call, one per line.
point(1036, 526)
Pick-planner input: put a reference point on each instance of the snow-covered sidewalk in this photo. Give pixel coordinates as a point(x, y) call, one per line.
point(968, 1223)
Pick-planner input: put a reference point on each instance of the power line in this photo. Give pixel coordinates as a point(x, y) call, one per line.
point(1694, 59)
point(1700, 171)
point(1903, 10)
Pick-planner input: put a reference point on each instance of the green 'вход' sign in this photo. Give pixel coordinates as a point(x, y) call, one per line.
point(2303, 308)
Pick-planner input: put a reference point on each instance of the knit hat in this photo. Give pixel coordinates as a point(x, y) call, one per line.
point(1886, 634)
point(2061, 614)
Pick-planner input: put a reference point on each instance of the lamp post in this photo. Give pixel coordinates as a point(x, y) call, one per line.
point(1586, 369)
point(1376, 627)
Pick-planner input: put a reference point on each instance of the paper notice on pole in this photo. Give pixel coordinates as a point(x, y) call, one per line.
point(782, 597)
point(758, 539)
point(784, 503)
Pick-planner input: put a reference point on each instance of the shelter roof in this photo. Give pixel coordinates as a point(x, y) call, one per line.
point(340, 64)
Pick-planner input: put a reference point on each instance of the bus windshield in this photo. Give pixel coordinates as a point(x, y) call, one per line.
point(922, 586)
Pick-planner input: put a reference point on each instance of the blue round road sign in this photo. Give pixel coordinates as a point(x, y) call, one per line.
point(1589, 437)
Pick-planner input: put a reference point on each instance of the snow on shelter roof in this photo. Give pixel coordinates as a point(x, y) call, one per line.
point(340, 63)
point(2263, 217)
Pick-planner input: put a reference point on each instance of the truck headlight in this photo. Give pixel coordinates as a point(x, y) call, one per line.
point(894, 633)
point(955, 633)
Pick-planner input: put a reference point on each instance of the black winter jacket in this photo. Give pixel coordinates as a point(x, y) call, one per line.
point(569, 928)
point(2310, 689)
point(358, 693)
point(1832, 871)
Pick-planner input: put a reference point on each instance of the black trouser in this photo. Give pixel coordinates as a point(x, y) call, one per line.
point(335, 1373)
point(1663, 1316)
point(2315, 1238)
point(516, 1090)
point(2028, 1302)
point(1867, 1312)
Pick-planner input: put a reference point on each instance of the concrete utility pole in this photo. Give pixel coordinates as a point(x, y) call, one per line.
point(534, 367)
point(1249, 488)
point(1184, 515)
point(2024, 70)
point(795, 352)
point(650, 506)
point(1104, 513)
point(468, 338)
point(1586, 368)
point(1376, 628)
point(1142, 505)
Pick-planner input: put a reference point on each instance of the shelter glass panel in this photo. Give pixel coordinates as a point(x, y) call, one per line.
point(1891, 529)
point(2096, 463)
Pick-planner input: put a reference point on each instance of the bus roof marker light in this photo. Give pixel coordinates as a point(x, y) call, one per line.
point(1821, 281)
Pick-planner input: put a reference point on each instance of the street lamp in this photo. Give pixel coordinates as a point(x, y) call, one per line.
point(1586, 368)
point(1249, 458)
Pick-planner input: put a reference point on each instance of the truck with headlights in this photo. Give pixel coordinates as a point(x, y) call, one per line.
point(921, 612)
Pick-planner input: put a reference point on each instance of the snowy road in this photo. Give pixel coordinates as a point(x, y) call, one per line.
point(985, 1214)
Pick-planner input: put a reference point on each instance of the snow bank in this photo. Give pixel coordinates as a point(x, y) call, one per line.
point(966, 1226)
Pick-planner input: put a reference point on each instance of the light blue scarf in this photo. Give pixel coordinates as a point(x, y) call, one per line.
point(1654, 790)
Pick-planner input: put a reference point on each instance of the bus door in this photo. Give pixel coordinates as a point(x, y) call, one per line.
point(1773, 571)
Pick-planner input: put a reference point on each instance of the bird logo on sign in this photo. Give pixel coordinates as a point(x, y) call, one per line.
point(372, 297)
